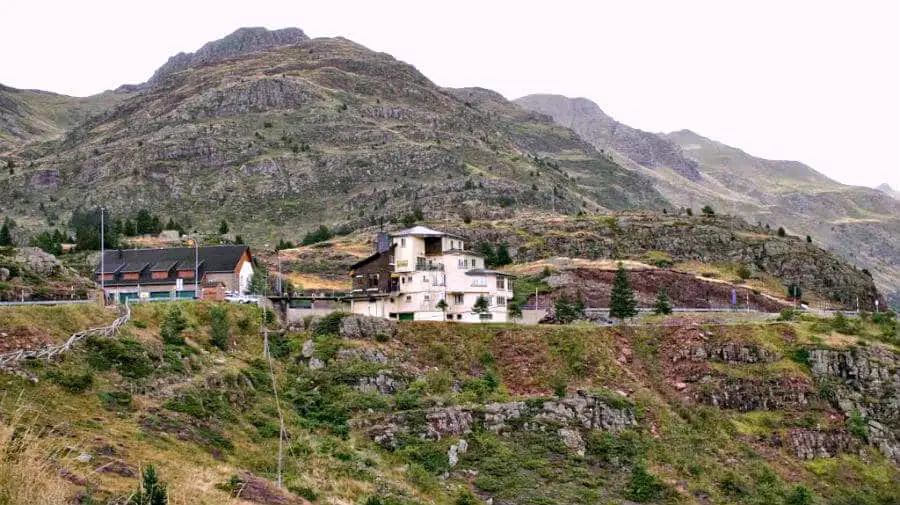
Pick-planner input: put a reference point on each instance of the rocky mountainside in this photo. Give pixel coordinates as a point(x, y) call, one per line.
point(242, 42)
point(319, 131)
point(27, 115)
point(860, 224)
point(885, 188)
point(380, 412)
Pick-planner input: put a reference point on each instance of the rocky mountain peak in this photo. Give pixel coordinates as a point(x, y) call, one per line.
point(241, 42)
point(888, 190)
point(605, 133)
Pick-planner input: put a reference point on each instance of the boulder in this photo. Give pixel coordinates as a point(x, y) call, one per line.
point(367, 328)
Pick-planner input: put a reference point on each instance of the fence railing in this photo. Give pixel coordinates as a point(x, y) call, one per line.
point(50, 351)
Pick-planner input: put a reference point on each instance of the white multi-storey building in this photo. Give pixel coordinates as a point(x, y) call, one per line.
point(414, 269)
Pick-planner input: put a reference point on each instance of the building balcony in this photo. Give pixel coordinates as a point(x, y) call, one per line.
point(429, 266)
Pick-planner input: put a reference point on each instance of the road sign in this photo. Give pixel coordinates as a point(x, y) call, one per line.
point(179, 285)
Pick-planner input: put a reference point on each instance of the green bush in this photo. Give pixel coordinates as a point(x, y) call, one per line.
point(800, 355)
point(304, 492)
point(330, 324)
point(72, 382)
point(799, 495)
point(787, 314)
point(126, 356)
point(219, 327)
point(173, 324)
point(115, 400)
point(857, 425)
point(643, 486)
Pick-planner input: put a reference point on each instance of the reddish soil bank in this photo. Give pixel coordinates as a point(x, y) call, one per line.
point(684, 290)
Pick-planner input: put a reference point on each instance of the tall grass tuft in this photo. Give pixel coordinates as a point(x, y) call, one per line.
point(28, 473)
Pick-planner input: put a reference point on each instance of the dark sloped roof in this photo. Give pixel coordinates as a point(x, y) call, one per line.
point(481, 271)
point(163, 266)
point(134, 266)
point(371, 258)
point(215, 258)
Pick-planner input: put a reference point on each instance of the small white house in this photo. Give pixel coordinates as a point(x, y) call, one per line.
point(414, 269)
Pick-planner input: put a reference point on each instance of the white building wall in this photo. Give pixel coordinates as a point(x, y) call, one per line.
point(244, 277)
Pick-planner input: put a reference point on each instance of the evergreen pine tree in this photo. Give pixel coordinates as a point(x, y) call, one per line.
point(503, 254)
point(481, 306)
point(5, 237)
point(622, 303)
point(151, 490)
point(219, 325)
point(662, 306)
point(223, 227)
point(487, 250)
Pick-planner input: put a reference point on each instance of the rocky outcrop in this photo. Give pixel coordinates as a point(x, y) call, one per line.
point(745, 394)
point(863, 381)
point(242, 42)
point(367, 328)
point(382, 383)
point(570, 418)
point(733, 353)
point(808, 444)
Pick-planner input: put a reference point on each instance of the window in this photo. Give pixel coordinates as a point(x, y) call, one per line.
point(131, 276)
point(159, 275)
point(486, 315)
point(501, 301)
point(458, 298)
point(462, 263)
point(402, 242)
point(408, 298)
point(425, 278)
point(426, 298)
point(501, 283)
point(480, 282)
point(450, 317)
point(186, 274)
point(458, 317)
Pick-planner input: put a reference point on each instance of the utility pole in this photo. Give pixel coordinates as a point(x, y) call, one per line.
point(280, 281)
point(102, 259)
point(196, 268)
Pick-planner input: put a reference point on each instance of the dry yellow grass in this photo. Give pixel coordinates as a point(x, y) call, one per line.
point(559, 263)
point(313, 281)
point(28, 474)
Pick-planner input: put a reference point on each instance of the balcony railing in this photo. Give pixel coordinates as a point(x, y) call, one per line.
point(427, 266)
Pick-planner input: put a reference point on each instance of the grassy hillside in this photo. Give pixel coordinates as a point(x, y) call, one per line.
point(550, 415)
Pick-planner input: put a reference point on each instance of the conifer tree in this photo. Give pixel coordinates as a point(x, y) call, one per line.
point(5, 236)
point(503, 257)
point(622, 303)
point(662, 306)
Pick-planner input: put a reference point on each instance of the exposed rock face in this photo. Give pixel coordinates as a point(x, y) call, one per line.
point(367, 328)
point(809, 444)
point(382, 383)
point(38, 261)
point(866, 380)
point(730, 352)
point(242, 42)
point(787, 393)
point(568, 417)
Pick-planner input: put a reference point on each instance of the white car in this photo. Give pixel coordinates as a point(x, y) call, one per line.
point(240, 298)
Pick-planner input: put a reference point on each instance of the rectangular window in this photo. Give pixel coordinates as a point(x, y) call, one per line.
point(186, 274)
point(159, 275)
point(458, 299)
point(402, 242)
point(501, 283)
point(501, 301)
point(408, 298)
point(479, 282)
point(131, 276)
point(426, 298)
point(105, 277)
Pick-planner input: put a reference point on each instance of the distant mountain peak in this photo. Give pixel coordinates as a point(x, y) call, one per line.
point(888, 190)
point(241, 42)
point(605, 133)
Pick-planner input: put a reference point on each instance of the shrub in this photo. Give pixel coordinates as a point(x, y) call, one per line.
point(125, 355)
point(566, 311)
point(219, 326)
point(173, 324)
point(115, 400)
point(857, 425)
point(800, 355)
point(330, 324)
point(305, 492)
point(320, 234)
point(466, 498)
point(622, 303)
point(72, 382)
point(787, 314)
point(662, 306)
point(151, 491)
point(689, 211)
point(799, 495)
point(743, 272)
point(643, 486)
point(708, 211)
point(781, 232)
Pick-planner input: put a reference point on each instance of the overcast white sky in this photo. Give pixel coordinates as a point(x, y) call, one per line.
point(814, 81)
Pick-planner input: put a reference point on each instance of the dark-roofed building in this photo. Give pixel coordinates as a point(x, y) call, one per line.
point(408, 276)
point(175, 272)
